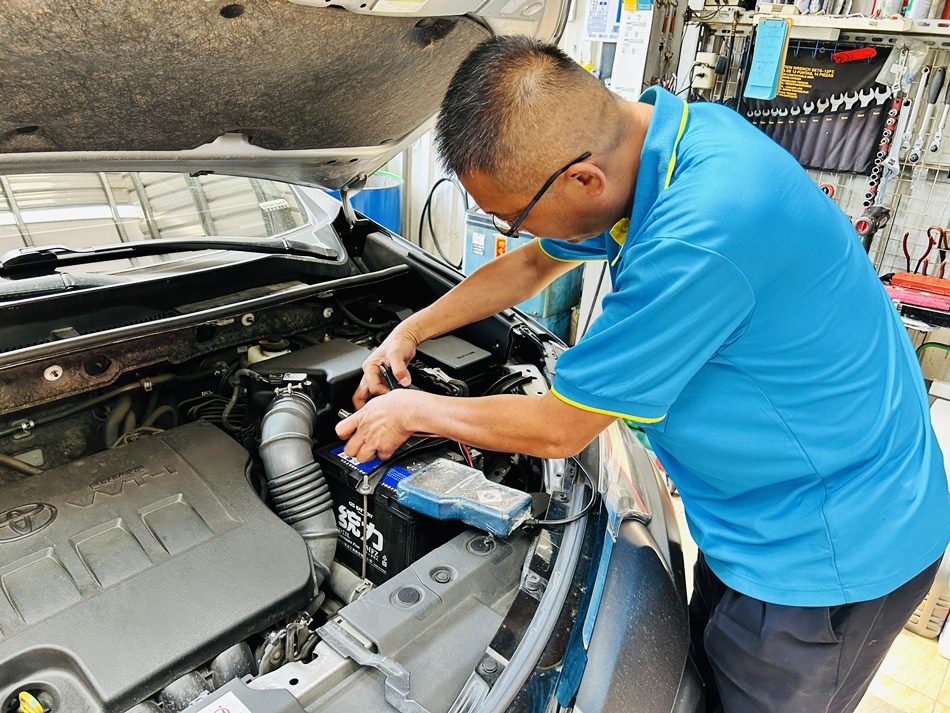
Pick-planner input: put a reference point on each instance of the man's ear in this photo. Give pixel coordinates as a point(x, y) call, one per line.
point(588, 177)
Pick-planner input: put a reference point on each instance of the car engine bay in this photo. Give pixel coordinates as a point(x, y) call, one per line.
point(180, 530)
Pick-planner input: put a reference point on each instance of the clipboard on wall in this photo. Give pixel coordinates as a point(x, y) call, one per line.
point(771, 43)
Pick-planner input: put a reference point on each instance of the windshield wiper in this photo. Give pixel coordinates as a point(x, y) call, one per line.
point(30, 261)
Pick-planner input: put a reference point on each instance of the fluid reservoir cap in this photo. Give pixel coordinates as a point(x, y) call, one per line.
point(271, 345)
point(267, 349)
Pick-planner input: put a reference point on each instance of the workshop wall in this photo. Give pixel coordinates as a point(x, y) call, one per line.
point(914, 194)
point(839, 151)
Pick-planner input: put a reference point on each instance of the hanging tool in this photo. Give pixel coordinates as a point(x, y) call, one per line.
point(936, 84)
point(887, 163)
point(918, 100)
point(938, 236)
point(853, 55)
point(938, 136)
point(891, 162)
point(922, 261)
point(729, 49)
point(667, 9)
point(888, 160)
point(873, 219)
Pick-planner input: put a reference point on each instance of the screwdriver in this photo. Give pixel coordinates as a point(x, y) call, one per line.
point(389, 378)
point(936, 84)
point(938, 137)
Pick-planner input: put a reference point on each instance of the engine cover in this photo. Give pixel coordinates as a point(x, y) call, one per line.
point(123, 570)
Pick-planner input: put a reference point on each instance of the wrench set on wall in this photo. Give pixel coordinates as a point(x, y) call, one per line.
point(837, 133)
point(828, 113)
point(888, 168)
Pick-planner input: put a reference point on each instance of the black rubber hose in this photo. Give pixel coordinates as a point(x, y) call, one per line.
point(361, 322)
point(427, 209)
point(146, 384)
point(116, 417)
point(238, 390)
point(157, 413)
point(298, 490)
point(19, 466)
point(300, 494)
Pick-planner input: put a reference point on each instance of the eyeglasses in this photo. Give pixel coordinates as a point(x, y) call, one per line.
point(510, 230)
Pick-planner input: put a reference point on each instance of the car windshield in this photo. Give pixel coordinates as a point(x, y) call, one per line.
point(82, 210)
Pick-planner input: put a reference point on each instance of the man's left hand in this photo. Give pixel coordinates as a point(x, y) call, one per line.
point(376, 429)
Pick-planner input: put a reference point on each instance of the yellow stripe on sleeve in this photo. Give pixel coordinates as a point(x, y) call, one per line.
point(616, 414)
point(570, 259)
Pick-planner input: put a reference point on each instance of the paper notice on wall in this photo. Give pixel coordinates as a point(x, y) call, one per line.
point(630, 61)
point(603, 21)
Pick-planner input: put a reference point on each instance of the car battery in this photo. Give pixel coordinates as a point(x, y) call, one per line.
point(379, 537)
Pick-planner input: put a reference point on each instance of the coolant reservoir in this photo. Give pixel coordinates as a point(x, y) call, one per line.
point(267, 349)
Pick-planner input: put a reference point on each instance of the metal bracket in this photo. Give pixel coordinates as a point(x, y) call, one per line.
point(397, 677)
point(347, 193)
point(25, 428)
point(291, 383)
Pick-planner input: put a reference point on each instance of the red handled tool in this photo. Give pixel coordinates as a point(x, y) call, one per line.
point(922, 261)
point(853, 55)
point(938, 236)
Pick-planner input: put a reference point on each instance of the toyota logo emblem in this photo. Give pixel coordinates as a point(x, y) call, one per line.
point(25, 520)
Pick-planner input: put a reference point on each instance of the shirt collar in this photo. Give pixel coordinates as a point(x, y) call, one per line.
point(658, 156)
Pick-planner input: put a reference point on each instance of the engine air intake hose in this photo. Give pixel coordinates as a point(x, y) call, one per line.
point(298, 489)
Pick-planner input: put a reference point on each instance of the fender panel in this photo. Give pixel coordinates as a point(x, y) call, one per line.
point(638, 655)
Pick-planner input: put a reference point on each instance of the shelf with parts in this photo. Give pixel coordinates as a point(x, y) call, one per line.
point(872, 30)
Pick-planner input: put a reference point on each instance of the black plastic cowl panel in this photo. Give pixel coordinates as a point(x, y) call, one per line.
point(638, 655)
point(125, 569)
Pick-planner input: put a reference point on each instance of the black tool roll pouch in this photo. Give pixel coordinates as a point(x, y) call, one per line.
point(828, 116)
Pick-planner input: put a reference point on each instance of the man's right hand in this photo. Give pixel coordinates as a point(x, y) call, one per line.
point(395, 353)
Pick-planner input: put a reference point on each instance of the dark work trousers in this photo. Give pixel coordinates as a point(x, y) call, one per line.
point(757, 657)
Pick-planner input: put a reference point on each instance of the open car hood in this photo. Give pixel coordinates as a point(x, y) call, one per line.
point(306, 91)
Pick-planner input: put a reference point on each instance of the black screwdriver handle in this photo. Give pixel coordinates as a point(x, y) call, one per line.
point(936, 84)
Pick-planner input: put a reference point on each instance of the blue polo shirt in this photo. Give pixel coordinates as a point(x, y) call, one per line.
point(749, 334)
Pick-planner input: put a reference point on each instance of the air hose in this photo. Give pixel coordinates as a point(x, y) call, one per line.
point(298, 490)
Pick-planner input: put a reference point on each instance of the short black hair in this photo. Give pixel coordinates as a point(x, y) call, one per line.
point(494, 107)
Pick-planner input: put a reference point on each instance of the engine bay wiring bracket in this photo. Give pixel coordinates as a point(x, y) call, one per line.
point(397, 677)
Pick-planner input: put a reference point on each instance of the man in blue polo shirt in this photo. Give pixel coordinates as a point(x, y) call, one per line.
point(748, 334)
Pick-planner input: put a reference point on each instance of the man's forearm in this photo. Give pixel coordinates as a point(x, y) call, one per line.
point(541, 426)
